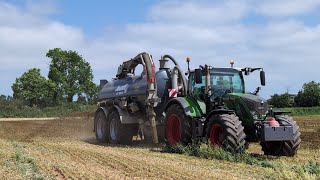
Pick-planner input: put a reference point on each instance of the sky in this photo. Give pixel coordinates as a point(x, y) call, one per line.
point(283, 36)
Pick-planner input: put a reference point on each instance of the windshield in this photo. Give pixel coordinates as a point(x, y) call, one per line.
point(225, 81)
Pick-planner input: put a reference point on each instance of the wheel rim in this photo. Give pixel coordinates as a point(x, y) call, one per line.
point(215, 133)
point(174, 129)
point(113, 129)
point(100, 128)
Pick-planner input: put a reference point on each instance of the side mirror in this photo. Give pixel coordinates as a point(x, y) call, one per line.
point(198, 76)
point(262, 78)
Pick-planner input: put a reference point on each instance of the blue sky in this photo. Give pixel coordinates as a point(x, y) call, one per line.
point(281, 36)
point(95, 16)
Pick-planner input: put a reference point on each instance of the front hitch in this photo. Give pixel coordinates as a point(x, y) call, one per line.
point(271, 130)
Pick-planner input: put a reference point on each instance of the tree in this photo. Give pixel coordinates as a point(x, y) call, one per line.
point(280, 101)
point(309, 95)
point(33, 89)
point(71, 73)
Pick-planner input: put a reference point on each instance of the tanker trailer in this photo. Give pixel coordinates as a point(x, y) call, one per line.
point(132, 104)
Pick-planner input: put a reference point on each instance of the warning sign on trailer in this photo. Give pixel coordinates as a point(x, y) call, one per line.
point(172, 93)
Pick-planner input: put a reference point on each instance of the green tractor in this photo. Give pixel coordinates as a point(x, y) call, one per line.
point(217, 107)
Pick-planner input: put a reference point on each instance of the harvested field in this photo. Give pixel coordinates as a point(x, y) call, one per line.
point(66, 149)
point(310, 131)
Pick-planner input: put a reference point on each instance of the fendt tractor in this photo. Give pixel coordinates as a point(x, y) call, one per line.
point(210, 104)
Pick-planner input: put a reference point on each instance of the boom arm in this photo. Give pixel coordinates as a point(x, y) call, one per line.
point(152, 99)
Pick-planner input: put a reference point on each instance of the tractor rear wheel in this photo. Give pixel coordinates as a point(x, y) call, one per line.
point(283, 148)
point(177, 126)
point(117, 132)
point(226, 131)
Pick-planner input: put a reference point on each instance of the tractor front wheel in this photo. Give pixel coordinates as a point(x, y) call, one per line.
point(226, 131)
point(283, 148)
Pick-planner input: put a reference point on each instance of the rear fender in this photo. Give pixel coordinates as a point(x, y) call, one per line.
point(189, 107)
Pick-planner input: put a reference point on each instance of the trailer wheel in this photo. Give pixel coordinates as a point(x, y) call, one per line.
point(177, 126)
point(101, 127)
point(227, 132)
point(283, 148)
point(117, 132)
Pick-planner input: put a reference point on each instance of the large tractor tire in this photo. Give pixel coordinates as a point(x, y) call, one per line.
point(177, 126)
point(283, 148)
point(101, 127)
point(226, 131)
point(117, 132)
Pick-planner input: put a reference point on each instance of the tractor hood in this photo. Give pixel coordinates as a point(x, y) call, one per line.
point(253, 102)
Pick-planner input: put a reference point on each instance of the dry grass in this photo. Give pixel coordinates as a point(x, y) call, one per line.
point(66, 149)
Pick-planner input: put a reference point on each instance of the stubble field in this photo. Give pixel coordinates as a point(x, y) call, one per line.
point(66, 149)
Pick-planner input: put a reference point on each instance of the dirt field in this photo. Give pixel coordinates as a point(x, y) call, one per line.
point(66, 149)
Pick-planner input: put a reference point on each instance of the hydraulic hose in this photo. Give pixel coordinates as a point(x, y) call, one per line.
point(171, 58)
point(149, 67)
point(185, 89)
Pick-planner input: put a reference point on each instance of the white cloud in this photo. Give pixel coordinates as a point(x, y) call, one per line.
point(25, 38)
point(198, 12)
point(284, 8)
point(41, 7)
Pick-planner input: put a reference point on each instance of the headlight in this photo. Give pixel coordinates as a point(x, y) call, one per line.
point(255, 114)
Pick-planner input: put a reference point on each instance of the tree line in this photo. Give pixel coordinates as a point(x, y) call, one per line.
point(308, 96)
point(70, 76)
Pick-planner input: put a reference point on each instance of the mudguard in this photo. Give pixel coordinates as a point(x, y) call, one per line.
point(190, 107)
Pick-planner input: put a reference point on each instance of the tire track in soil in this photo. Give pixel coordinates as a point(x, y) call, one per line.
point(101, 159)
point(128, 167)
